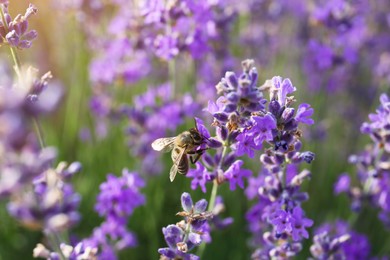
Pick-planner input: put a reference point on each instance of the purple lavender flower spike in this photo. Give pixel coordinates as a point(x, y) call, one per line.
point(189, 233)
point(338, 241)
point(80, 251)
point(50, 204)
point(16, 32)
point(118, 198)
point(371, 166)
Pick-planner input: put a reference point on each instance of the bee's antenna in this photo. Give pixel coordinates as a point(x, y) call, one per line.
point(196, 125)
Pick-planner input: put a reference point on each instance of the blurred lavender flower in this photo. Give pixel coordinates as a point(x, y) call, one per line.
point(373, 168)
point(155, 114)
point(189, 233)
point(118, 198)
point(15, 32)
point(80, 251)
point(51, 204)
point(336, 53)
point(338, 241)
point(21, 160)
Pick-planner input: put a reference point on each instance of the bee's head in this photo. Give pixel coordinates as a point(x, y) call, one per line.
point(196, 136)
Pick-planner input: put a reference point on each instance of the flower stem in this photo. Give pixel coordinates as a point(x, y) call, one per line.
point(38, 130)
point(213, 197)
point(54, 241)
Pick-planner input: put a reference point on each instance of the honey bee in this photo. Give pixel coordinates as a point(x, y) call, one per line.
point(181, 145)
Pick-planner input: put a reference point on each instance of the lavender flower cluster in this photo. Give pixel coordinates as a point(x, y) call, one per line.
point(15, 32)
point(188, 233)
point(153, 114)
point(372, 166)
point(118, 198)
point(161, 29)
point(244, 124)
point(338, 241)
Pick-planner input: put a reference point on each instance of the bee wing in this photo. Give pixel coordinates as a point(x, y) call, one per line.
point(163, 144)
point(175, 166)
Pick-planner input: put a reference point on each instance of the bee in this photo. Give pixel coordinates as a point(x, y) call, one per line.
point(181, 145)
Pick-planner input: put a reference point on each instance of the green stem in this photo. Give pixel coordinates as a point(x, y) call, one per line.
point(16, 60)
point(54, 241)
point(213, 197)
point(38, 130)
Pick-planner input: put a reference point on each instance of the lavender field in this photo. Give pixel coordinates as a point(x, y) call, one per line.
point(195, 129)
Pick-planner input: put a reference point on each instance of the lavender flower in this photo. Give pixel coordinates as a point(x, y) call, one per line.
point(337, 53)
point(51, 204)
point(155, 114)
point(15, 32)
point(118, 198)
point(80, 251)
point(372, 166)
point(189, 233)
point(234, 174)
point(21, 159)
point(338, 241)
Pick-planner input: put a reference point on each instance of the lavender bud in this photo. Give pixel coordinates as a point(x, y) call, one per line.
point(291, 125)
point(229, 108)
point(214, 143)
point(301, 196)
point(265, 159)
point(274, 108)
point(195, 238)
point(186, 202)
point(74, 167)
point(222, 117)
point(307, 156)
point(232, 136)
point(232, 97)
point(298, 145)
point(208, 160)
point(229, 159)
point(288, 114)
point(253, 75)
point(200, 206)
point(231, 79)
point(222, 132)
point(279, 158)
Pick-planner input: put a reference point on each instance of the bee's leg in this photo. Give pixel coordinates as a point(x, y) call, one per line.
point(197, 156)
